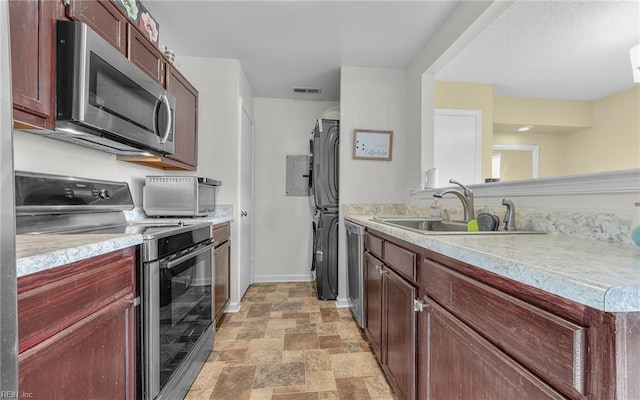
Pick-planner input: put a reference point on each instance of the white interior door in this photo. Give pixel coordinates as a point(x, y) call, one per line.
point(245, 223)
point(458, 146)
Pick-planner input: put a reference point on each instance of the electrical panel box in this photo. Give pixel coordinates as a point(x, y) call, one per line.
point(298, 175)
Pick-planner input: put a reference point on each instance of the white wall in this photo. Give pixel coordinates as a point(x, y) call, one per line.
point(217, 81)
point(282, 224)
point(466, 21)
point(39, 154)
point(371, 98)
point(221, 84)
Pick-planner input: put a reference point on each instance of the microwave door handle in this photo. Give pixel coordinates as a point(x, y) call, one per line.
point(167, 107)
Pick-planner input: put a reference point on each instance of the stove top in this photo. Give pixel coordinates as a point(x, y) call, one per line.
point(148, 230)
point(55, 204)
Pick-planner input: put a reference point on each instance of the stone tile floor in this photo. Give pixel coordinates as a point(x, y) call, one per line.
point(285, 344)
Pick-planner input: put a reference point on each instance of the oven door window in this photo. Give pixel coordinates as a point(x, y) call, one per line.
point(185, 307)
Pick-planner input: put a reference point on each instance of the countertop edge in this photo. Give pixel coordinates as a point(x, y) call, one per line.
point(32, 264)
point(604, 298)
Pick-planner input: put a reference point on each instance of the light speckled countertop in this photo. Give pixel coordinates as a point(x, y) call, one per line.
point(600, 274)
point(35, 253)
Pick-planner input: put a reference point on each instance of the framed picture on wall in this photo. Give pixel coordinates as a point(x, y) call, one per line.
point(370, 144)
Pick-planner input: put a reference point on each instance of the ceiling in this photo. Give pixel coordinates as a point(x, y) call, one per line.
point(282, 44)
point(551, 49)
point(575, 50)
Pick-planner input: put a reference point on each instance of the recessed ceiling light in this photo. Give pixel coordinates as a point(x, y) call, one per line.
point(525, 128)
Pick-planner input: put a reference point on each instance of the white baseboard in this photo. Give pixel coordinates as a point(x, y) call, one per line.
point(233, 308)
point(342, 302)
point(282, 278)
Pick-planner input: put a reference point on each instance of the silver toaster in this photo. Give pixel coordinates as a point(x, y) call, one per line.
point(179, 196)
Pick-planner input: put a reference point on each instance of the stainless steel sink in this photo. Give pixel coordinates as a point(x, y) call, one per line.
point(431, 226)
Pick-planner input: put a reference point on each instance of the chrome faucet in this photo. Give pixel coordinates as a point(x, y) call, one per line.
point(510, 216)
point(466, 197)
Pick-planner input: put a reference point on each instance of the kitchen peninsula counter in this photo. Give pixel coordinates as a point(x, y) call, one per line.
point(600, 274)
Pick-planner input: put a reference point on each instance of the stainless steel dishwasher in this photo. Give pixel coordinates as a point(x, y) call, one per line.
point(355, 273)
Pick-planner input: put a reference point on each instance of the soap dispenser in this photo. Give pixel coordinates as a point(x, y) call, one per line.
point(434, 210)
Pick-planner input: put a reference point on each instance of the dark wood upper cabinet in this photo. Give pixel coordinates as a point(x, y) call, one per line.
point(186, 118)
point(103, 17)
point(143, 54)
point(32, 62)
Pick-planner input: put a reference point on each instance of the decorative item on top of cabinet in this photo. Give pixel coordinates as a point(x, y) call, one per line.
point(222, 265)
point(391, 312)
point(77, 337)
point(32, 68)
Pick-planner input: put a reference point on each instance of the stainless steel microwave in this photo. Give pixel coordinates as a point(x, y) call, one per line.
point(106, 102)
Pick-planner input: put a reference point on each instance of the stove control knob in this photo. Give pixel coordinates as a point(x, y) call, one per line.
point(104, 194)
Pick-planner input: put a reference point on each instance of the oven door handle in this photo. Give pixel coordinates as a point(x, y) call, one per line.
point(178, 261)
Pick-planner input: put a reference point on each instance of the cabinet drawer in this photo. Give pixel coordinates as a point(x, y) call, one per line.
point(53, 300)
point(373, 244)
point(221, 232)
point(553, 348)
point(404, 261)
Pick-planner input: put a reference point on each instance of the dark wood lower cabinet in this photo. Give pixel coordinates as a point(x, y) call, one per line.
point(391, 317)
point(93, 359)
point(400, 328)
point(462, 365)
point(373, 289)
point(483, 336)
point(222, 269)
point(77, 330)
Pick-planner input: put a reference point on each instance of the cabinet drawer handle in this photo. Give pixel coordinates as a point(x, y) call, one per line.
point(135, 302)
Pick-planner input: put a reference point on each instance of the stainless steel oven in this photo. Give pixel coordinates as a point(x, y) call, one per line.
point(174, 277)
point(177, 296)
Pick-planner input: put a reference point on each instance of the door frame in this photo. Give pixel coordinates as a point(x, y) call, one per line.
point(533, 148)
point(477, 115)
point(242, 109)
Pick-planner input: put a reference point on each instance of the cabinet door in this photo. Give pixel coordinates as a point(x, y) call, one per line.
point(103, 17)
point(32, 67)
point(92, 359)
point(186, 115)
point(373, 287)
point(146, 56)
point(462, 365)
point(400, 327)
point(222, 255)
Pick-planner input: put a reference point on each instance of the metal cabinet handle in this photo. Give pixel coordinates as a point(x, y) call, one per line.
point(173, 263)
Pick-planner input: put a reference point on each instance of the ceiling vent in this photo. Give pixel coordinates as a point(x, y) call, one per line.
point(307, 90)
